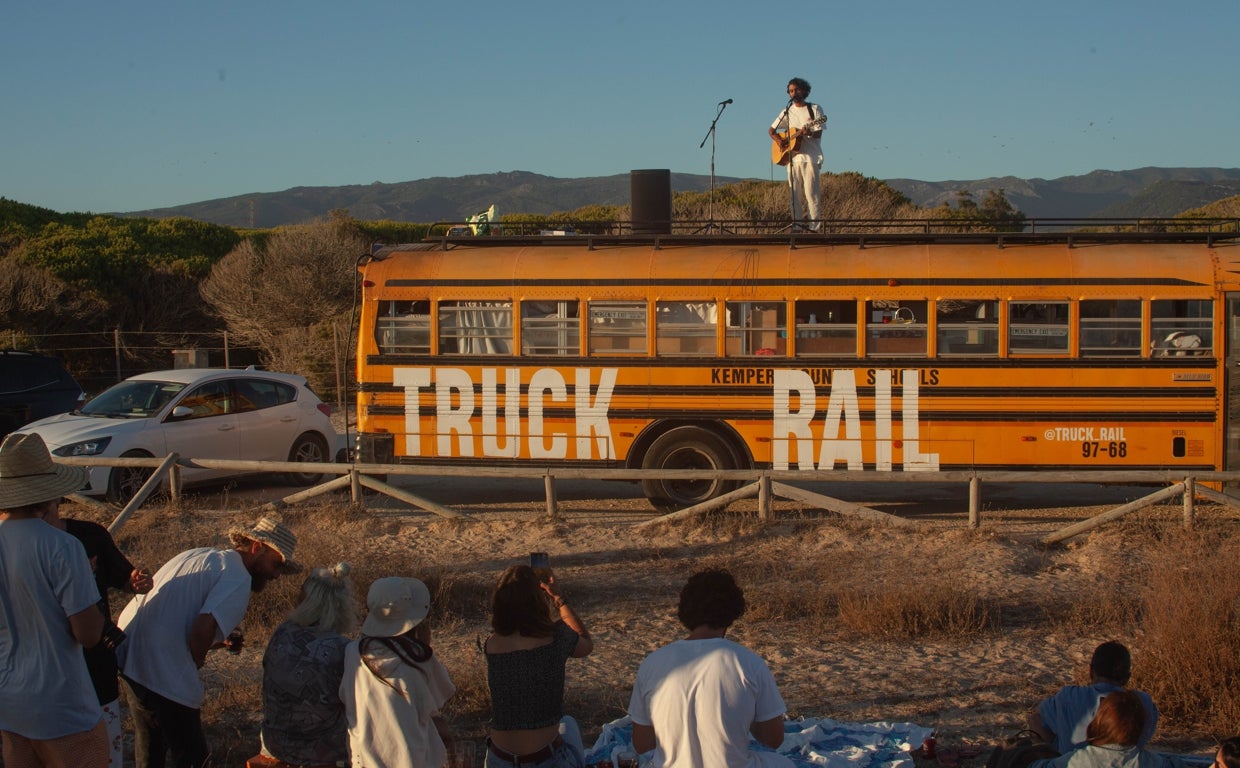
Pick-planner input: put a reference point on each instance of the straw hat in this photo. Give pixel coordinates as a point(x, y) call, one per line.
point(29, 476)
point(396, 605)
point(273, 533)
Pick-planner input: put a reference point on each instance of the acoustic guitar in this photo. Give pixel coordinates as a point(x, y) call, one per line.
point(789, 141)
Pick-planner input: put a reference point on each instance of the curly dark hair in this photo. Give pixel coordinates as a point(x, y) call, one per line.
point(710, 598)
point(800, 83)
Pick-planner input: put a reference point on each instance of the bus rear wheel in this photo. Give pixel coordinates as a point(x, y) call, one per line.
point(687, 448)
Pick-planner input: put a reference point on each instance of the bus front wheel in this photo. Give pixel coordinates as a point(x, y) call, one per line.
point(687, 448)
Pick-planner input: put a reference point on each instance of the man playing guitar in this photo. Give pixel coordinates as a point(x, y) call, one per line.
point(797, 130)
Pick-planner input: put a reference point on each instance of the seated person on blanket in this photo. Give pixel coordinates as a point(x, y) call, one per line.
point(697, 701)
point(1063, 718)
point(1112, 739)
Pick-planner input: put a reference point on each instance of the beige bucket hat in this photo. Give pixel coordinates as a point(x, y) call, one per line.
point(29, 476)
point(395, 605)
point(273, 533)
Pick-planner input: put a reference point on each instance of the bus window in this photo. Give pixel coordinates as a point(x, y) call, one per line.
point(1038, 328)
point(617, 326)
point(1110, 328)
point(1182, 327)
point(895, 328)
point(550, 328)
point(685, 327)
point(403, 327)
point(826, 328)
point(757, 328)
point(475, 327)
point(967, 327)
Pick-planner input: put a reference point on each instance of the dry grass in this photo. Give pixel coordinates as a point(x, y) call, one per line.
point(960, 630)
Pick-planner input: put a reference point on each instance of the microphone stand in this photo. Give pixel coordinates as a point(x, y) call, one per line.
point(710, 134)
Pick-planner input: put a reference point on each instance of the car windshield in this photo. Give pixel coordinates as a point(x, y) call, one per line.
point(133, 399)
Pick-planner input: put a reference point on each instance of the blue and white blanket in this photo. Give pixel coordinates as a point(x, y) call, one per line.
point(809, 743)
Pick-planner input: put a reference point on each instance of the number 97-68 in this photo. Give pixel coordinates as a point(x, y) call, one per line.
point(1093, 449)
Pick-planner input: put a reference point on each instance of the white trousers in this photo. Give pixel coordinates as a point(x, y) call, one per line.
point(806, 190)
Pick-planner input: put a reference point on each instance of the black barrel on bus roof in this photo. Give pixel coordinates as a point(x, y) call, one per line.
point(650, 196)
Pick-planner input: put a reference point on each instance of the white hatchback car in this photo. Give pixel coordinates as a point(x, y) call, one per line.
point(200, 414)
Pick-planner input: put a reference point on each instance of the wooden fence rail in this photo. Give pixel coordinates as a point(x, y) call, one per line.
point(764, 484)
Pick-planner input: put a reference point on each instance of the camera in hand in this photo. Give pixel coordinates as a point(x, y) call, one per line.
point(112, 636)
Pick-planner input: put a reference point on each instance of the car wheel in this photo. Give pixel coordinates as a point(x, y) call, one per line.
point(309, 447)
point(125, 482)
point(687, 448)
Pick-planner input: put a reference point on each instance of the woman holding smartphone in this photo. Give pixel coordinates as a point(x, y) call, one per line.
point(535, 633)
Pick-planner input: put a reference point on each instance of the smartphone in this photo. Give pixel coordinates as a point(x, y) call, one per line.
point(541, 565)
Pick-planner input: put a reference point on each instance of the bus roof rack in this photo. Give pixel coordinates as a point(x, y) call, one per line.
point(861, 232)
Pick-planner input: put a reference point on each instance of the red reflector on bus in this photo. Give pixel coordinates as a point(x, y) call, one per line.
point(893, 282)
point(1028, 439)
point(368, 283)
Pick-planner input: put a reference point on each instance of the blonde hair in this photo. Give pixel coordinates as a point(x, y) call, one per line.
point(327, 601)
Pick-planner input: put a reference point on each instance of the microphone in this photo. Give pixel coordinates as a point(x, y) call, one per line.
point(729, 101)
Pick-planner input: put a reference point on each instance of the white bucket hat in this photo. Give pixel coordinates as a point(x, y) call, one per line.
point(395, 605)
point(29, 476)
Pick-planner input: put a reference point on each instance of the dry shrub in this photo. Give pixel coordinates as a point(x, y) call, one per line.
point(1190, 655)
point(908, 606)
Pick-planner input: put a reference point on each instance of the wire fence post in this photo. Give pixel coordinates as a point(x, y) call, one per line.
point(116, 346)
point(226, 365)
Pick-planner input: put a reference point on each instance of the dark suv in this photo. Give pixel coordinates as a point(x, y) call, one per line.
point(33, 386)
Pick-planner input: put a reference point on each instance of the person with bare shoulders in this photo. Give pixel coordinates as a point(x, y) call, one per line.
point(697, 701)
point(535, 633)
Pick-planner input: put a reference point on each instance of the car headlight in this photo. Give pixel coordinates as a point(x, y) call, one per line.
point(84, 448)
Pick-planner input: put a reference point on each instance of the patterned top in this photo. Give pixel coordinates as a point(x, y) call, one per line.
point(303, 718)
point(527, 687)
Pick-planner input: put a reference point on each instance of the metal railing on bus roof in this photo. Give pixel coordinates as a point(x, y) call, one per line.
point(1071, 231)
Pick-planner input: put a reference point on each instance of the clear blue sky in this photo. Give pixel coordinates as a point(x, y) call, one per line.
point(118, 106)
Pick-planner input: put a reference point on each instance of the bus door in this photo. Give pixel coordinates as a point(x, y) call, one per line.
point(1231, 383)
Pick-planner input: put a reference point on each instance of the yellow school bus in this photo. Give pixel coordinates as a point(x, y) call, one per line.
point(891, 352)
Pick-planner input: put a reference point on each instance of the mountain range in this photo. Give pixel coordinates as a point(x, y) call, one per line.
point(1144, 192)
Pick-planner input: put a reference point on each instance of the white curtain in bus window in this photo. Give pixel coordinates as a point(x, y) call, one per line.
point(617, 327)
point(403, 327)
point(550, 328)
point(1110, 328)
point(475, 328)
point(757, 328)
point(826, 328)
point(967, 327)
point(1038, 328)
point(895, 328)
point(1182, 327)
point(685, 328)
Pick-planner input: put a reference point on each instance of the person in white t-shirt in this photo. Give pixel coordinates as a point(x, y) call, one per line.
point(800, 123)
point(199, 598)
point(48, 612)
point(697, 701)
